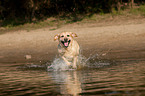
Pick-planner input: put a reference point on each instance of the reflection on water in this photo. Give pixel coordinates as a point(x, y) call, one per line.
point(69, 82)
point(125, 78)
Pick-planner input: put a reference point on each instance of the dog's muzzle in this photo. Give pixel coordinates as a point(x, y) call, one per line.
point(66, 42)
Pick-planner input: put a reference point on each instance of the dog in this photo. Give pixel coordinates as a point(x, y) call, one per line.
point(68, 48)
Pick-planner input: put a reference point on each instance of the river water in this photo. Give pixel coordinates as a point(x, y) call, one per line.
point(117, 78)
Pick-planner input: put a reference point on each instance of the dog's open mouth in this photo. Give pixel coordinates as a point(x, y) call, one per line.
point(66, 43)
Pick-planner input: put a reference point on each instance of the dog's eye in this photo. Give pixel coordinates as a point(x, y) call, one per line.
point(62, 36)
point(67, 35)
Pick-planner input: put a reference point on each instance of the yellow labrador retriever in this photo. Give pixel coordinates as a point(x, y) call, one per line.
point(68, 48)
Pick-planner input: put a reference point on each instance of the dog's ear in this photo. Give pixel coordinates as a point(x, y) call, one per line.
point(56, 37)
point(74, 35)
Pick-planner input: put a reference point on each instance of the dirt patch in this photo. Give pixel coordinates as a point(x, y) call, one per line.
point(123, 40)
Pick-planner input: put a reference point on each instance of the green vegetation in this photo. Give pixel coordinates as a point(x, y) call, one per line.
point(138, 11)
point(33, 14)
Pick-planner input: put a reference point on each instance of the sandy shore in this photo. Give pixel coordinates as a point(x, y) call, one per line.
point(118, 41)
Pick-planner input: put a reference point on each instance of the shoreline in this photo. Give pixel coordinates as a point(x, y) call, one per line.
point(122, 41)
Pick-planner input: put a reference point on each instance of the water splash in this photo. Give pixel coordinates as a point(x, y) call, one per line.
point(92, 61)
point(58, 64)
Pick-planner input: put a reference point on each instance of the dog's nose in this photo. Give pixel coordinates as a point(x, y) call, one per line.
point(65, 39)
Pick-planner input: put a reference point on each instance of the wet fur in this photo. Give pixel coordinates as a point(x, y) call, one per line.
point(68, 53)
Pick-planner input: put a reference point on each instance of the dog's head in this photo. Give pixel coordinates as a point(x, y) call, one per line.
point(65, 38)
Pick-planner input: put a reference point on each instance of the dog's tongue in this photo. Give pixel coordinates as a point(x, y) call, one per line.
point(66, 44)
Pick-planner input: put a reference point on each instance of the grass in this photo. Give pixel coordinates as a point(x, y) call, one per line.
point(126, 13)
point(137, 11)
point(54, 23)
point(30, 26)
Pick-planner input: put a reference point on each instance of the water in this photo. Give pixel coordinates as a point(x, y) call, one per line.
point(113, 78)
point(92, 61)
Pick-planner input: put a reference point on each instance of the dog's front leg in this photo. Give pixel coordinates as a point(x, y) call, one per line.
point(66, 61)
point(75, 62)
